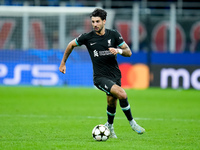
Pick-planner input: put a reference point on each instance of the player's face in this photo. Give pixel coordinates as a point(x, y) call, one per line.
point(98, 24)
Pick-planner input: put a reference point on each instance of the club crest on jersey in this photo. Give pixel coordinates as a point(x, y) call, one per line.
point(95, 53)
point(109, 42)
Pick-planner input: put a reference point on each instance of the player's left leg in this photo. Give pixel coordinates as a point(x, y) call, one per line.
point(114, 91)
point(120, 93)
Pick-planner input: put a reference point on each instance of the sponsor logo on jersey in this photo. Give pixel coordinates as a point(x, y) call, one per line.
point(95, 53)
point(101, 53)
point(105, 53)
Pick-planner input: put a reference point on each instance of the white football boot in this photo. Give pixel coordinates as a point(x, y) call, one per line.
point(111, 128)
point(136, 127)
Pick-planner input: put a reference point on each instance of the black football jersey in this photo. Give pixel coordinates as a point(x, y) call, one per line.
point(104, 62)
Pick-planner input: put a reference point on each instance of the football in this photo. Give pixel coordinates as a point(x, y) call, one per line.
point(100, 133)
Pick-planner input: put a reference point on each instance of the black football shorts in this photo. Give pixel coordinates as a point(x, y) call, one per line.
point(105, 84)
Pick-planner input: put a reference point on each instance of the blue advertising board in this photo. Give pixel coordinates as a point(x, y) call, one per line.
point(36, 67)
point(41, 67)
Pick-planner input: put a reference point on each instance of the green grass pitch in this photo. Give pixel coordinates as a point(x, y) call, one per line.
point(55, 118)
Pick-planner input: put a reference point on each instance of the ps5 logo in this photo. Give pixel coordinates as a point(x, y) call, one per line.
point(41, 74)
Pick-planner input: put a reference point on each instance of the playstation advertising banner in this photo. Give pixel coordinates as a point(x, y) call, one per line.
point(36, 67)
point(140, 71)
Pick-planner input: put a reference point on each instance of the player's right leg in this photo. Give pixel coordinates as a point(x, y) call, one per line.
point(111, 128)
point(105, 85)
point(111, 110)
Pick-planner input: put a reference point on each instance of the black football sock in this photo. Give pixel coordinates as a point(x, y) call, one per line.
point(111, 114)
point(126, 108)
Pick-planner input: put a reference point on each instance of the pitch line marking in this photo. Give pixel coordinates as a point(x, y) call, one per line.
point(152, 119)
point(94, 117)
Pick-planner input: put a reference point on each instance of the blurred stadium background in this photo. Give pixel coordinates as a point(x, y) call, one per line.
point(163, 35)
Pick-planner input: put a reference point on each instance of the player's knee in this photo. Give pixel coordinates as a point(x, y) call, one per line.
point(118, 92)
point(122, 95)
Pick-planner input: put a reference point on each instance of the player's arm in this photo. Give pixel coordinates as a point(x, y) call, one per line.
point(124, 50)
point(68, 51)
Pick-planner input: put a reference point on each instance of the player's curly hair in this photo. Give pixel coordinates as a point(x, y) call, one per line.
point(99, 13)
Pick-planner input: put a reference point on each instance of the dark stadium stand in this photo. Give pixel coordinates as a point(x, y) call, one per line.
point(184, 4)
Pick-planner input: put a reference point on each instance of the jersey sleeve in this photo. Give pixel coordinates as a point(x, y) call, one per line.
point(80, 40)
point(119, 39)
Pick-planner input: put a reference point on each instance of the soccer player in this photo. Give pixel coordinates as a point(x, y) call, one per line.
point(103, 45)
